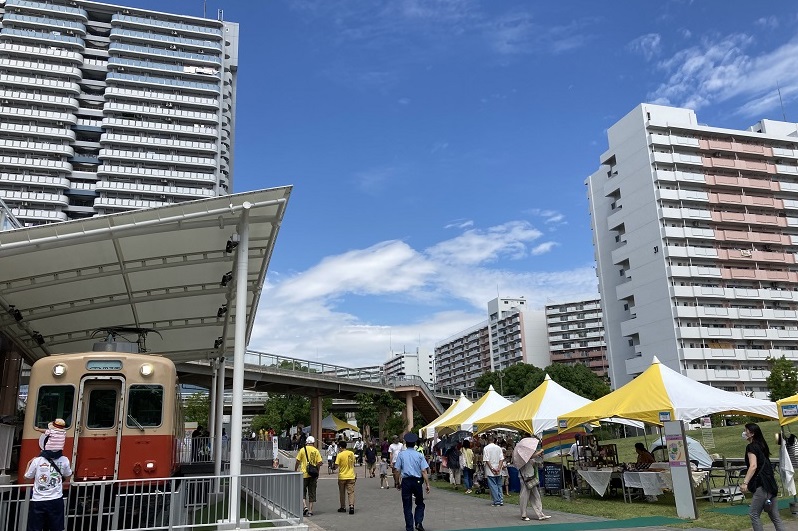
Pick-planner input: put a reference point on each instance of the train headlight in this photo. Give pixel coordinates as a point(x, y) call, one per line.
point(147, 369)
point(59, 369)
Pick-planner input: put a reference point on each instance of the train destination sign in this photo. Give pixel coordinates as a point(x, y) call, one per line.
point(104, 365)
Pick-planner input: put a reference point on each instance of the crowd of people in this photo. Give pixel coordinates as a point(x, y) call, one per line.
point(479, 463)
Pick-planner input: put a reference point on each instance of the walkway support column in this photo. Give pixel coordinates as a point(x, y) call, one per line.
point(408, 412)
point(218, 448)
point(240, 339)
point(315, 418)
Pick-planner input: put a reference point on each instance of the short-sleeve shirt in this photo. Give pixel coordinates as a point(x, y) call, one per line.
point(346, 464)
point(410, 463)
point(48, 484)
point(492, 455)
point(395, 449)
point(313, 454)
point(754, 482)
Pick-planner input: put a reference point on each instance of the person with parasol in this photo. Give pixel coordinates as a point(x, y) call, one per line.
point(527, 457)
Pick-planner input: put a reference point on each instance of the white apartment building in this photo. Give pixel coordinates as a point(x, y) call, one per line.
point(513, 334)
point(696, 238)
point(463, 357)
point(107, 108)
point(576, 334)
point(421, 364)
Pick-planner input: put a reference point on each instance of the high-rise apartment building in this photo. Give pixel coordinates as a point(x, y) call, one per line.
point(696, 238)
point(463, 357)
point(107, 108)
point(512, 334)
point(576, 334)
point(421, 364)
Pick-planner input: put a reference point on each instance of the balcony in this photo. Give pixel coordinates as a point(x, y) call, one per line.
point(141, 125)
point(37, 180)
point(148, 156)
point(113, 203)
point(17, 146)
point(42, 37)
point(18, 65)
point(126, 171)
point(151, 189)
point(148, 23)
point(159, 38)
point(25, 82)
point(157, 81)
point(12, 196)
point(163, 143)
point(32, 130)
point(36, 115)
point(44, 7)
point(42, 164)
point(38, 215)
point(149, 95)
point(165, 111)
point(17, 96)
point(40, 51)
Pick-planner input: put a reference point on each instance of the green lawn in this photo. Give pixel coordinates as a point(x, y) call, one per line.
point(615, 508)
point(728, 441)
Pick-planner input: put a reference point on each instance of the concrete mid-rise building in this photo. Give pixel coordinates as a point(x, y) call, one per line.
point(513, 333)
point(696, 239)
point(108, 108)
point(576, 334)
point(421, 364)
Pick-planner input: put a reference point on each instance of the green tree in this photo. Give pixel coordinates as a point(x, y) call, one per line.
point(783, 379)
point(576, 378)
point(197, 408)
point(283, 411)
point(510, 381)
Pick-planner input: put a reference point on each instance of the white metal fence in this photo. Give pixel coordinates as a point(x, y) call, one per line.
point(200, 450)
point(273, 499)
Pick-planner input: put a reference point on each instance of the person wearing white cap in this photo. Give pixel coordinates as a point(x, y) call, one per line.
point(309, 460)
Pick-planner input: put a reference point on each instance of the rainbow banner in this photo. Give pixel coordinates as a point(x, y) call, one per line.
point(557, 444)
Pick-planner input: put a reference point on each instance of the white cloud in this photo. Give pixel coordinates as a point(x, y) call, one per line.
point(443, 289)
point(646, 45)
point(550, 217)
point(544, 248)
point(374, 180)
point(459, 224)
point(720, 70)
point(479, 246)
point(404, 101)
point(771, 22)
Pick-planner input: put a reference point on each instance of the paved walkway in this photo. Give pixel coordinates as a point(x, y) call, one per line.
point(381, 510)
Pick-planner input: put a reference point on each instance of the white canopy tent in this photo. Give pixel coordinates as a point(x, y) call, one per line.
point(458, 406)
point(489, 403)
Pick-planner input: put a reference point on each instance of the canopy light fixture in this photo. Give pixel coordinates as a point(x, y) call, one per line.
point(221, 311)
point(226, 278)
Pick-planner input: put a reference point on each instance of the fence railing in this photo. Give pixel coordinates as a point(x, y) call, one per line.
point(200, 450)
point(270, 499)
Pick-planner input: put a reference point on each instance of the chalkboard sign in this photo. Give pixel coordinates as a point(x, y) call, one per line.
point(552, 477)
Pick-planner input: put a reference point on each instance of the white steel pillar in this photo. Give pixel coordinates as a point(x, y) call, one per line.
point(239, 348)
point(218, 447)
point(212, 406)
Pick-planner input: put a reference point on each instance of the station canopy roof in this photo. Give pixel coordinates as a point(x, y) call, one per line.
point(160, 268)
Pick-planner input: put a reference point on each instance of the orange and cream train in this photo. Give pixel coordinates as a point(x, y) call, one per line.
point(123, 413)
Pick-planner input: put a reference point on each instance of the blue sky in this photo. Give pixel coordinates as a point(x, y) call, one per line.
point(438, 149)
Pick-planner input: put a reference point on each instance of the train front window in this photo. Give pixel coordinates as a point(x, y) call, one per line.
point(102, 409)
point(54, 402)
point(144, 406)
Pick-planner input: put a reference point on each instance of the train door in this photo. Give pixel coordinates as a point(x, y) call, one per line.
point(98, 430)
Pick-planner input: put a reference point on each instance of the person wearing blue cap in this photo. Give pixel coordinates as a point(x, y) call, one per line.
point(413, 469)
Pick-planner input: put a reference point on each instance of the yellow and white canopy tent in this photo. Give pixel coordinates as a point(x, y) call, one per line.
point(788, 410)
point(537, 411)
point(660, 394)
point(459, 405)
point(333, 423)
point(489, 403)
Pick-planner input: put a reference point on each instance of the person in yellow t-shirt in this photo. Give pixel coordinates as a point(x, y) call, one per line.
point(308, 454)
point(346, 477)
